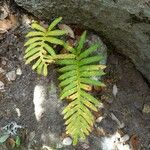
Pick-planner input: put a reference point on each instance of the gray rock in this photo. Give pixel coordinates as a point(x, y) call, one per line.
point(124, 23)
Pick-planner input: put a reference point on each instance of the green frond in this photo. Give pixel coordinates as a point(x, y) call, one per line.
point(30, 47)
point(40, 46)
point(78, 76)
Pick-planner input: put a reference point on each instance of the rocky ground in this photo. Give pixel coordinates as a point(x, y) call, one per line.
point(122, 122)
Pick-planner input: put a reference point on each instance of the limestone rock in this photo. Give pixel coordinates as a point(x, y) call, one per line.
point(124, 24)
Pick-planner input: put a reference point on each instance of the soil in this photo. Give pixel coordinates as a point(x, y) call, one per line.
point(133, 94)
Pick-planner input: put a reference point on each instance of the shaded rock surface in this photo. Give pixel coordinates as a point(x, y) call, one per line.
point(124, 23)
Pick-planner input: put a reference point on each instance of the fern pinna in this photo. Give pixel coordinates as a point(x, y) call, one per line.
point(77, 76)
point(39, 45)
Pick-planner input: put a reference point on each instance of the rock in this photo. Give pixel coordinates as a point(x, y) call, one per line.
point(146, 108)
point(67, 141)
point(11, 76)
point(124, 24)
point(19, 71)
point(2, 85)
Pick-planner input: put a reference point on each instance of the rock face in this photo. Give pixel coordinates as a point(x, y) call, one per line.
point(124, 23)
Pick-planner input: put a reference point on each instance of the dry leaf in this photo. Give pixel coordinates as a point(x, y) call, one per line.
point(10, 143)
point(134, 142)
point(7, 24)
point(68, 30)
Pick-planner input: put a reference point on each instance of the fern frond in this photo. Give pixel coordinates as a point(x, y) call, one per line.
point(77, 78)
point(40, 46)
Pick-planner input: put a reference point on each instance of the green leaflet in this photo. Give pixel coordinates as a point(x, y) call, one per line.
point(49, 49)
point(54, 40)
point(88, 51)
point(67, 81)
point(68, 93)
point(81, 42)
point(90, 60)
point(68, 74)
point(56, 33)
point(35, 33)
point(67, 62)
point(91, 81)
point(32, 58)
point(54, 23)
point(33, 40)
point(38, 27)
point(34, 51)
point(68, 68)
point(36, 64)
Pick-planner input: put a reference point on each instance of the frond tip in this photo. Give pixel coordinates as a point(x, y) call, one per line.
point(76, 80)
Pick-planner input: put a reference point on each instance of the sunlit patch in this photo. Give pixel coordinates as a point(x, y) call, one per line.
point(38, 99)
point(115, 142)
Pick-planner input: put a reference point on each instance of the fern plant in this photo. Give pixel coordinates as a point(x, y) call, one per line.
point(76, 79)
point(78, 71)
point(40, 46)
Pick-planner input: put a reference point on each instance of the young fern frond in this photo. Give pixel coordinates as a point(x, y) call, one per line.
point(40, 46)
point(76, 79)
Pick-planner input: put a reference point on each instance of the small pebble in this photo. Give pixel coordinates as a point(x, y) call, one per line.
point(1, 85)
point(125, 138)
point(4, 62)
point(99, 119)
point(85, 146)
point(67, 141)
point(146, 108)
point(115, 90)
point(11, 76)
point(19, 71)
point(2, 70)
